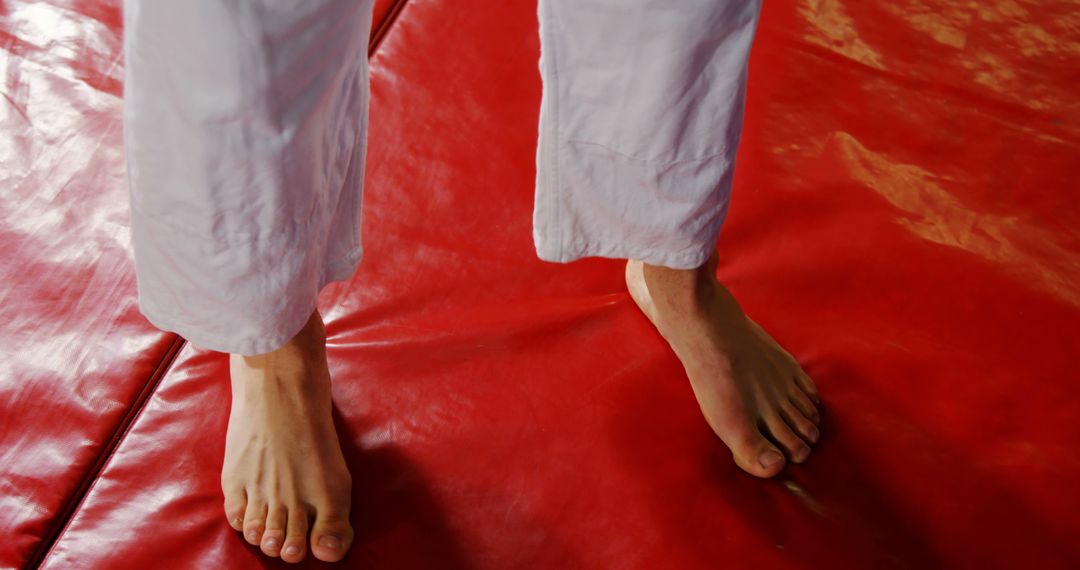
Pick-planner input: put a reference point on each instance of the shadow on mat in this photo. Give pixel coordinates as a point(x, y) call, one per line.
point(398, 521)
point(850, 505)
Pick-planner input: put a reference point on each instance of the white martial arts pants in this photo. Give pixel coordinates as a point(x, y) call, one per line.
point(245, 126)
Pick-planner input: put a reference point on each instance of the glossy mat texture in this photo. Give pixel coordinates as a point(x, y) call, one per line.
point(75, 354)
point(903, 221)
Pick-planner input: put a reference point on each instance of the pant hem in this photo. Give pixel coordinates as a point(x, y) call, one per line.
point(339, 270)
point(685, 259)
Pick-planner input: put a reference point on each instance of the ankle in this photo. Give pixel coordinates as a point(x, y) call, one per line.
point(687, 288)
point(311, 339)
point(313, 333)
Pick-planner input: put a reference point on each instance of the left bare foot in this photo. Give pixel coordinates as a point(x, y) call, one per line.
point(752, 392)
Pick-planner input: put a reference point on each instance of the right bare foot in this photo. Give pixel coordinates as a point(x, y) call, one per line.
point(283, 463)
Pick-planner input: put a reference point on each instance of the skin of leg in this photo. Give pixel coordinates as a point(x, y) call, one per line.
point(753, 393)
point(284, 478)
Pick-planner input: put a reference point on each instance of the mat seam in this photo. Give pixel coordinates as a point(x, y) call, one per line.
point(384, 27)
point(71, 506)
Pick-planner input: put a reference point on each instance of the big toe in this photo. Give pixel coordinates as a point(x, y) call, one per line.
point(757, 455)
point(331, 536)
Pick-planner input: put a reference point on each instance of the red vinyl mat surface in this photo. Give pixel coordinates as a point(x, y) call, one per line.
point(75, 354)
point(903, 221)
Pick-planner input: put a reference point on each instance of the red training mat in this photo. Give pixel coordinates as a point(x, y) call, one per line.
point(901, 222)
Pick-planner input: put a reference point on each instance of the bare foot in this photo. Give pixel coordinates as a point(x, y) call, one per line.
point(283, 464)
point(753, 393)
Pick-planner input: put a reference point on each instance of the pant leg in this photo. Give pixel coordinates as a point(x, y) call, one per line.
point(245, 125)
point(639, 124)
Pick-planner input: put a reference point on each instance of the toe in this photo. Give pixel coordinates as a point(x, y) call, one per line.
point(802, 403)
point(296, 535)
point(332, 534)
point(802, 425)
point(807, 385)
point(235, 505)
point(254, 520)
point(274, 535)
point(796, 448)
point(755, 454)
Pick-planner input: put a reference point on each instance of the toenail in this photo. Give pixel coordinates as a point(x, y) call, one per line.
point(770, 459)
point(292, 550)
point(271, 543)
point(328, 541)
point(252, 534)
point(814, 434)
point(802, 454)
